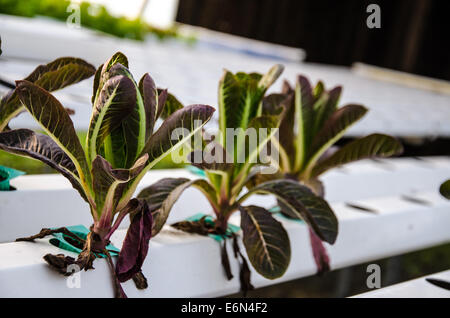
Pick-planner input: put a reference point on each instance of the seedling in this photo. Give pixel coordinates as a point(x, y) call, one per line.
point(312, 123)
point(229, 168)
point(121, 146)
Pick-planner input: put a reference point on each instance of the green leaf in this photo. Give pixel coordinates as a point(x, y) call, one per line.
point(117, 58)
point(256, 179)
point(240, 97)
point(304, 117)
point(55, 121)
point(272, 103)
point(27, 143)
point(230, 101)
point(301, 203)
point(172, 104)
point(282, 104)
point(162, 102)
point(318, 90)
point(166, 137)
point(213, 158)
point(60, 73)
point(55, 75)
point(114, 148)
point(269, 124)
point(115, 65)
point(114, 104)
point(149, 93)
point(124, 143)
point(127, 141)
point(375, 145)
point(106, 181)
point(167, 140)
point(333, 129)
point(96, 84)
point(265, 127)
point(134, 132)
point(162, 195)
point(270, 77)
point(286, 141)
point(102, 76)
point(266, 242)
point(326, 108)
point(445, 189)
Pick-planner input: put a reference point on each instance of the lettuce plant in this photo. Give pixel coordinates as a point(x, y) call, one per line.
point(121, 146)
point(312, 123)
point(265, 240)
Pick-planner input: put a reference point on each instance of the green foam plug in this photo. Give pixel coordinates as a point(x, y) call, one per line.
point(6, 174)
point(231, 229)
point(60, 240)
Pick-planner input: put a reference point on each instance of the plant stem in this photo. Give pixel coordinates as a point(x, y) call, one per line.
point(222, 222)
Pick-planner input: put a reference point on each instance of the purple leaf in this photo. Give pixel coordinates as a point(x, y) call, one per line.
point(320, 253)
point(25, 142)
point(135, 246)
point(162, 195)
point(164, 97)
point(53, 76)
point(147, 88)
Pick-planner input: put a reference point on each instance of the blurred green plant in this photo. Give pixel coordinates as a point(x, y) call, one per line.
point(92, 16)
point(444, 189)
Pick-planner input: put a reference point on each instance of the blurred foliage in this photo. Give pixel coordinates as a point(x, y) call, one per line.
point(31, 166)
point(92, 16)
point(426, 262)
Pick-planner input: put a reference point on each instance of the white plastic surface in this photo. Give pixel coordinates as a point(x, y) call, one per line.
point(187, 265)
point(183, 265)
point(50, 201)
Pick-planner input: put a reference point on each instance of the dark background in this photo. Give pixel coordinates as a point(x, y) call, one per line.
point(414, 38)
point(414, 34)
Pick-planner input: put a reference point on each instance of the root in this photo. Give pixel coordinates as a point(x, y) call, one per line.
point(92, 245)
point(60, 263)
point(245, 274)
point(118, 291)
point(197, 227)
point(86, 257)
point(202, 228)
point(226, 260)
point(139, 279)
point(46, 232)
